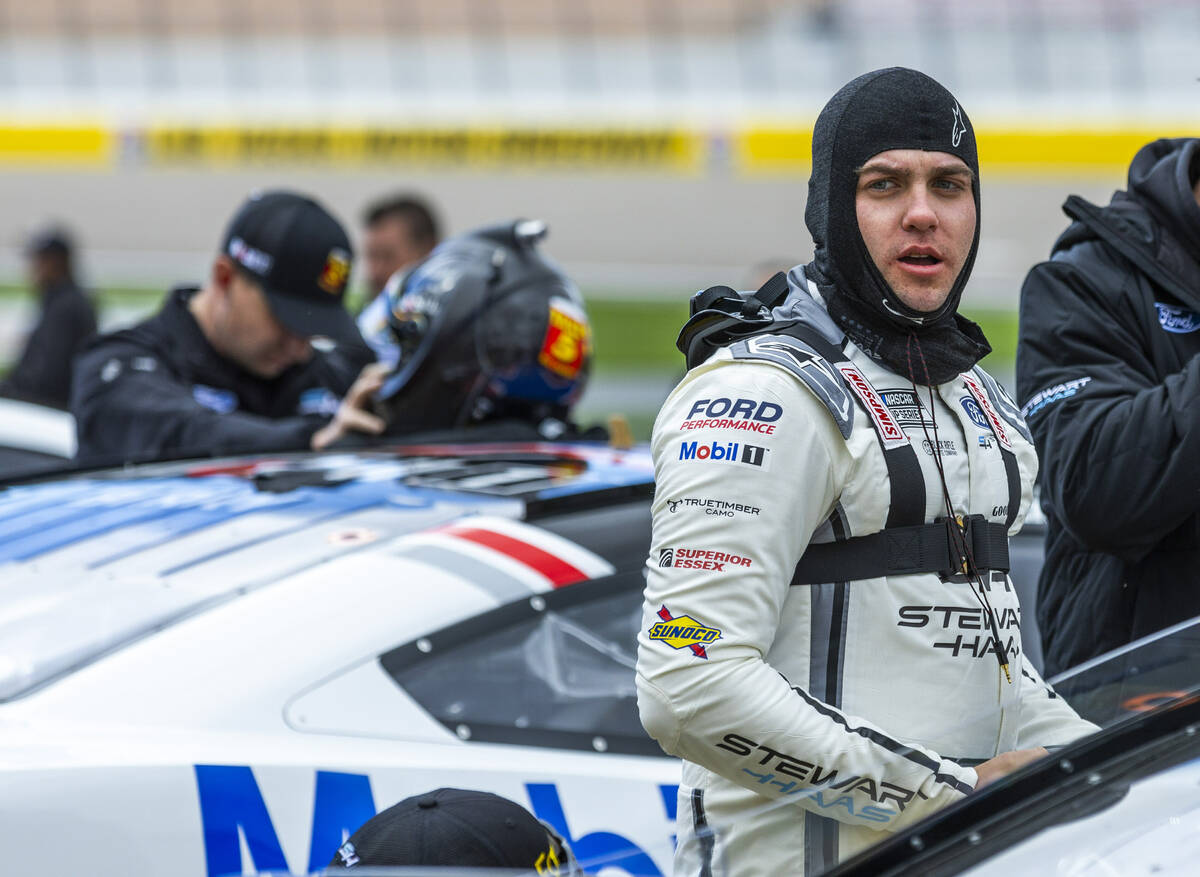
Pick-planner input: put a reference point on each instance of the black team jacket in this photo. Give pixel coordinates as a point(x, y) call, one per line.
point(43, 372)
point(160, 390)
point(1108, 374)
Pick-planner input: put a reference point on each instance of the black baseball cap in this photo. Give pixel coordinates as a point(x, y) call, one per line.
point(50, 240)
point(456, 827)
point(301, 257)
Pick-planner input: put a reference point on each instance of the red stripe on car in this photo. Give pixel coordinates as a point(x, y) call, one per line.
point(557, 570)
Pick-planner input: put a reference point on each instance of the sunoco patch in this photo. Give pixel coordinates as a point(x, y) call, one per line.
point(683, 632)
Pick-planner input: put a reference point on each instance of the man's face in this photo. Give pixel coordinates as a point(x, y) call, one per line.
point(250, 335)
point(45, 270)
point(388, 249)
point(916, 213)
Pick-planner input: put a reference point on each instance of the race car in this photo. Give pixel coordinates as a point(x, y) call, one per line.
point(1125, 800)
point(225, 667)
point(34, 438)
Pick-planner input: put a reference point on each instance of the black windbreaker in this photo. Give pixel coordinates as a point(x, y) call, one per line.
point(1108, 373)
point(159, 389)
point(43, 372)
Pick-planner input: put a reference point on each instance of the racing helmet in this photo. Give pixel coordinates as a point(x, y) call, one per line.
point(486, 327)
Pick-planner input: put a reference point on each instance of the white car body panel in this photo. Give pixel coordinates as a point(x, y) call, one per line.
point(1155, 829)
point(260, 711)
point(37, 428)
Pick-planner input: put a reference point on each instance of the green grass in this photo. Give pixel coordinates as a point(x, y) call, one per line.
point(1000, 327)
point(637, 335)
point(640, 336)
point(108, 296)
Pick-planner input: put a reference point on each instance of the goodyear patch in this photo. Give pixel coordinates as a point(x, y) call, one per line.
point(683, 632)
point(568, 339)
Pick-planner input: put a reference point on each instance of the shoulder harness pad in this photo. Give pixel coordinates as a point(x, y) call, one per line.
point(743, 322)
point(806, 364)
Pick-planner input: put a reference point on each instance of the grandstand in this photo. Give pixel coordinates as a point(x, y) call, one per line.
point(666, 140)
point(681, 58)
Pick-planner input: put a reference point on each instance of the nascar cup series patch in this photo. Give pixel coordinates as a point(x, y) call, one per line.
point(683, 632)
point(568, 339)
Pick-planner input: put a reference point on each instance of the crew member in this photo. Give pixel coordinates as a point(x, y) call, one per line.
point(400, 231)
point(457, 830)
point(66, 320)
point(1108, 366)
point(263, 358)
point(842, 656)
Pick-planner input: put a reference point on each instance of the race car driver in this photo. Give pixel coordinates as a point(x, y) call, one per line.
point(830, 638)
point(231, 367)
point(492, 339)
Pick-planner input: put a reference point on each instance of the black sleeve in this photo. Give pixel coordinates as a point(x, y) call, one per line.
point(43, 373)
point(127, 412)
point(1119, 443)
point(335, 370)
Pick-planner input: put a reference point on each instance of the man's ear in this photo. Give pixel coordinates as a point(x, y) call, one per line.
point(223, 273)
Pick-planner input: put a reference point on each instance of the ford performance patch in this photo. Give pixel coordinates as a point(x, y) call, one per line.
point(723, 413)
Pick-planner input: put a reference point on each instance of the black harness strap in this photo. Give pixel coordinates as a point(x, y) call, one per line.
point(924, 548)
point(908, 486)
point(1013, 473)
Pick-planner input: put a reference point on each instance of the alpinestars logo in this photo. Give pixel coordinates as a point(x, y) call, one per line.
point(959, 129)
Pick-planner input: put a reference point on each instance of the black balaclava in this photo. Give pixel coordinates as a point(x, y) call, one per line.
point(895, 108)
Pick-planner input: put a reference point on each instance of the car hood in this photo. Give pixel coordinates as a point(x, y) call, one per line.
point(93, 562)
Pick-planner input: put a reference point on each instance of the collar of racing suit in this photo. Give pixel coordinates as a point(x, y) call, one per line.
point(946, 348)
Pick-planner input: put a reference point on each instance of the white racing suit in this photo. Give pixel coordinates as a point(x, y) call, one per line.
point(813, 717)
